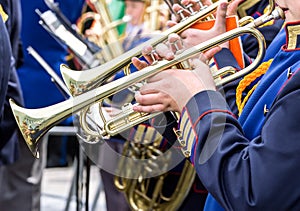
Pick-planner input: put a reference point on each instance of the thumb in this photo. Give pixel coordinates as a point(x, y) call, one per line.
point(208, 55)
point(233, 7)
point(220, 23)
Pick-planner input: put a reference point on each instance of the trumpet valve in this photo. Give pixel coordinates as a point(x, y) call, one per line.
point(126, 119)
point(190, 8)
point(182, 16)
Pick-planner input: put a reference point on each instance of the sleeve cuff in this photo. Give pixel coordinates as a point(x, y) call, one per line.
point(196, 109)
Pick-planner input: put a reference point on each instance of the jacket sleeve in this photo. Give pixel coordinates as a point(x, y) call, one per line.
point(242, 174)
point(222, 59)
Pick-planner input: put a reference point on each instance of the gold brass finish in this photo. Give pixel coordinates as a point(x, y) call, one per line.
point(136, 183)
point(110, 37)
point(36, 122)
point(33, 123)
point(79, 82)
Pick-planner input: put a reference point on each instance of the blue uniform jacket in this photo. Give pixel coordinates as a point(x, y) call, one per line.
point(36, 84)
point(246, 162)
point(9, 132)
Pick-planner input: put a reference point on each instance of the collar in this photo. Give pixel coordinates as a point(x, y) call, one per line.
point(292, 30)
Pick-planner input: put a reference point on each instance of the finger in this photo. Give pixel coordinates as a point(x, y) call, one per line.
point(197, 63)
point(150, 87)
point(150, 108)
point(192, 5)
point(220, 23)
point(181, 12)
point(171, 23)
point(164, 51)
point(233, 7)
point(175, 43)
point(208, 55)
point(203, 59)
point(148, 99)
point(152, 102)
point(206, 2)
point(138, 63)
point(149, 54)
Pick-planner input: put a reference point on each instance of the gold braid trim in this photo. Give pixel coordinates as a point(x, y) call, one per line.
point(246, 81)
point(3, 14)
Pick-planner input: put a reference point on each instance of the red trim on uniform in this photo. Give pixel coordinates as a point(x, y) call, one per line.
point(288, 79)
point(256, 13)
point(163, 143)
point(211, 111)
point(197, 121)
point(199, 190)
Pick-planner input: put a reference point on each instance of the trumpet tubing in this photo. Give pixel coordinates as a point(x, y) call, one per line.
point(79, 82)
point(133, 178)
point(33, 123)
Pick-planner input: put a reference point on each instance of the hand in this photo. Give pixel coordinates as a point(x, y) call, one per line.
point(171, 89)
point(163, 51)
point(233, 7)
point(192, 36)
point(176, 8)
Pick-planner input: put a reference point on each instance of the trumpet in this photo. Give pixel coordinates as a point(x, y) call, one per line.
point(80, 82)
point(34, 123)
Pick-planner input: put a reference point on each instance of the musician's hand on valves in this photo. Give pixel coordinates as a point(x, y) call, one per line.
point(233, 7)
point(168, 52)
point(190, 7)
point(162, 51)
point(171, 89)
point(193, 36)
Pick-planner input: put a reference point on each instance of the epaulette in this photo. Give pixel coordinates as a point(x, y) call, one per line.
point(3, 14)
point(293, 31)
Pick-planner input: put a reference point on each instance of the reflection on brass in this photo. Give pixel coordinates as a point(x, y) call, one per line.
point(34, 123)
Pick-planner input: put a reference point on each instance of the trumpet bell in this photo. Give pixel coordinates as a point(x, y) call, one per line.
point(34, 123)
point(29, 126)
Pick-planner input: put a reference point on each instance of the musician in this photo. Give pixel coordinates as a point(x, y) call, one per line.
point(12, 177)
point(220, 57)
point(197, 194)
point(242, 160)
point(135, 28)
point(134, 34)
point(21, 180)
point(10, 84)
point(5, 61)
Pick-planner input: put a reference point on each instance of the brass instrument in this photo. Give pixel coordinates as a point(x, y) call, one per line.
point(110, 34)
point(79, 82)
point(107, 37)
point(153, 14)
point(141, 189)
point(34, 123)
